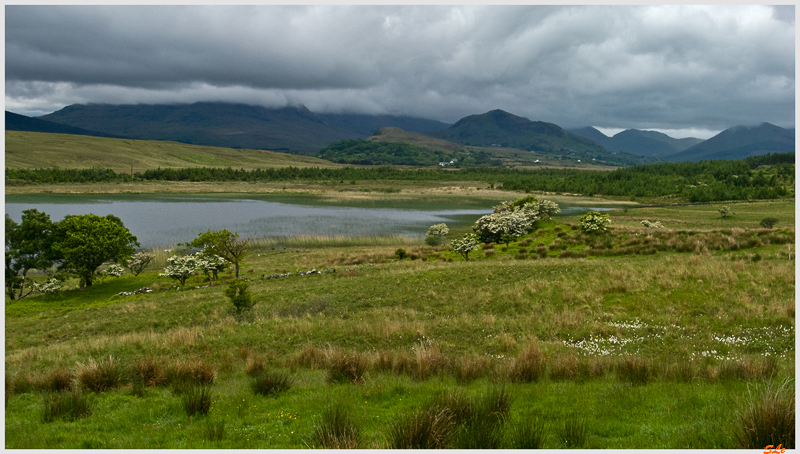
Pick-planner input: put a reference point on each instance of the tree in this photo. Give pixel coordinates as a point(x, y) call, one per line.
point(465, 245)
point(139, 262)
point(211, 265)
point(180, 268)
point(84, 242)
point(224, 244)
point(594, 221)
point(28, 247)
point(725, 212)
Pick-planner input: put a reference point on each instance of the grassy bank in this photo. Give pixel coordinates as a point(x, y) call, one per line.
point(609, 346)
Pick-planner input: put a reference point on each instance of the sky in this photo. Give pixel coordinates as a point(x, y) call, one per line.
point(683, 70)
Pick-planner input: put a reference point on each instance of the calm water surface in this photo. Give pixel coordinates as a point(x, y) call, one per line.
point(163, 220)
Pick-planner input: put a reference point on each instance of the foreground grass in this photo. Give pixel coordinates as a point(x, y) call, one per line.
point(655, 348)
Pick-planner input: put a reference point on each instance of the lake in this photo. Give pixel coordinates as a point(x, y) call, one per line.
point(166, 219)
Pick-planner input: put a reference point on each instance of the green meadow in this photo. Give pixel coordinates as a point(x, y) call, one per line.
point(679, 337)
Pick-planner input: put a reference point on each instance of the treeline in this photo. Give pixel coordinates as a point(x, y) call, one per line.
point(703, 181)
point(363, 152)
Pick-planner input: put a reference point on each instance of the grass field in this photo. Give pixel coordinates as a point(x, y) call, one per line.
point(612, 341)
point(32, 150)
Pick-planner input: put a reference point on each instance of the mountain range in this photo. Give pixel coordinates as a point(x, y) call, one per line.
point(296, 129)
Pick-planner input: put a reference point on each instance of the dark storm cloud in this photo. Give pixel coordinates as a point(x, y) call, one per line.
point(671, 67)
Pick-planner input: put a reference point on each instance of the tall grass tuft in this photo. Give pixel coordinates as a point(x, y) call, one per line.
point(191, 373)
point(69, 405)
point(58, 380)
point(271, 383)
point(197, 399)
point(471, 367)
point(635, 370)
point(214, 429)
point(483, 428)
point(255, 365)
point(528, 433)
point(430, 428)
point(529, 365)
point(573, 432)
point(767, 416)
point(102, 375)
point(148, 372)
point(428, 360)
point(346, 367)
point(336, 429)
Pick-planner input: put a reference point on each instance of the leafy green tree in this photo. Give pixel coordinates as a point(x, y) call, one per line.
point(28, 247)
point(224, 244)
point(84, 242)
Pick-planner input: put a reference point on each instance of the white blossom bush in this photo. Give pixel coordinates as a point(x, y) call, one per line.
point(180, 267)
point(465, 245)
point(114, 270)
point(211, 265)
point(549, 208)
point(435, 234)
point(513, 219)
point(52, 285)
point(139, 261)
point(652, 225)
point(594, 221)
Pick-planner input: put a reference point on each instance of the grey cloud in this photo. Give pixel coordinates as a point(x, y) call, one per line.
point(673, 67)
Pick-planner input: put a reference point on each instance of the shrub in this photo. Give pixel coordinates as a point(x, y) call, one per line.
point(336, 429)
point(594, 222)
point(437, 232)
point(197, 399)
point(269, 383)
point(725, 212)
point(430, 428)
point(400, 253)
point(433, 240)
point(768, 222)
point(237, 291)
point(652, 225)
point(767, 417)
point(69, 405)
point(99, 376)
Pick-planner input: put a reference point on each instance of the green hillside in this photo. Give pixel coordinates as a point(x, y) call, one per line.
point(32, 150)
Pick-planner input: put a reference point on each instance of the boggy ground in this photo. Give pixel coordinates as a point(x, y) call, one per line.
point(641, 349)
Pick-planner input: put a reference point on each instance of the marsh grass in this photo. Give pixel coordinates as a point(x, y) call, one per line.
point(767, 416)
point(636, 370)
point(470, 367)
point(255, 365)
point(214, 429)
point(336, 429)
point(529, 365)
point(58, 380)
point(528, 432)
point(185, 373)
point(346, 367)
point(67, 405)
point(572, 432)
point(197, 399)
point(430, 428)
point(101, 375)
point(428, 360)
point(270, 383)
point(148, 372)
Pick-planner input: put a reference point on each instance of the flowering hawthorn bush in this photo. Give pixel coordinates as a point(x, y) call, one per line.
point(139, 262)
point(652, 225)
point(594, 221)
point(180, 267)
point(211, 265)
point(465, 245)
point(436, 233)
